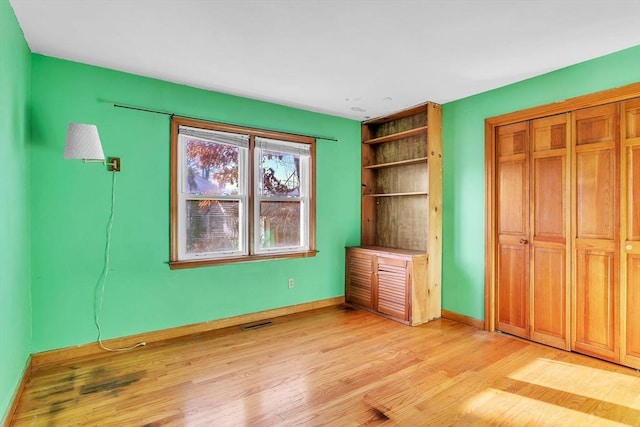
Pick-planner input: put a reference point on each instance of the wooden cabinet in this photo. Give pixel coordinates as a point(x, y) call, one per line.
point(566, 230)
point(401, 216)
point(390, 282)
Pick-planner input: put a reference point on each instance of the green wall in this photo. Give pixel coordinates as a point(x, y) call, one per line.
point(463, 140)
point(70, 206)
point(15, 297)
point(62, 206)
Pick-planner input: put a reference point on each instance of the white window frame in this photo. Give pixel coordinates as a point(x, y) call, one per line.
point(184, 196)
point(248, 197)
point(303, 152)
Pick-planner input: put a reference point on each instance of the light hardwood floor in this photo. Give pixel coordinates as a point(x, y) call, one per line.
point(335, 366)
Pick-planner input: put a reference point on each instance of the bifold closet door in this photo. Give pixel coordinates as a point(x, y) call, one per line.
point(550, 222)
point(533, 182)
point(630, 259)
point(596, 230)
point(512, 194)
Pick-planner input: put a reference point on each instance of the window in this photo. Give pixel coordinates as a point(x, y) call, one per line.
point(239, 194)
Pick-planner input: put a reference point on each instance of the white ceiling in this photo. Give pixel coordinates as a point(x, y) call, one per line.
point(350, 58)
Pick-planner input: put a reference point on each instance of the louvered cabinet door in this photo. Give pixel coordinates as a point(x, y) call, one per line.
point(393, 287)
point(630, 258)
point(360, 270)
point(596, 230)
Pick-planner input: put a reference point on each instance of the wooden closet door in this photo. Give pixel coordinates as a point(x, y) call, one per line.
point(512, 191)
point(630, 242)
point(550, 221)
point(596, 229)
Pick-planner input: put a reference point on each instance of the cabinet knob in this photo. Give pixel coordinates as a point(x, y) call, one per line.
point(524, 241)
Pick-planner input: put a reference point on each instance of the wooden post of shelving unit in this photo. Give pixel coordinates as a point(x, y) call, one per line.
point(434, 146)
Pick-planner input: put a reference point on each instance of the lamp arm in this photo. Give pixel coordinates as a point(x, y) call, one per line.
point(113, 164)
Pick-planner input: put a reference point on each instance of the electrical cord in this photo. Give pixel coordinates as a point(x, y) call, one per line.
point(100, 285)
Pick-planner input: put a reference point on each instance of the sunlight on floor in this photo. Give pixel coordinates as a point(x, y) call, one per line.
point(551, 392)
point(498, 406)
point(607, 386)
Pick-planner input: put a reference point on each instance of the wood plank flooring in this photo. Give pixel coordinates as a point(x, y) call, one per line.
point(334, 367)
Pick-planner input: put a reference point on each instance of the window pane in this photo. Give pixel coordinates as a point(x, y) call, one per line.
point(279, 174)
point(211, 168)
point(212, 226)
point(279, 224)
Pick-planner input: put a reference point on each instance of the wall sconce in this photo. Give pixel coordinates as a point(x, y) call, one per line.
point(83, 142)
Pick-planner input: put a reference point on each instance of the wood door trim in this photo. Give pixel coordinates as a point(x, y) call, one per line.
point(591, 100)
point(566, 106)
point(490, 239)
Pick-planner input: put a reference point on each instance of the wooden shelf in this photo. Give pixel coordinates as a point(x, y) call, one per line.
point(415, 161)
point(413, 193)
point(420, 108)
point(393, 251)
point(393, 137)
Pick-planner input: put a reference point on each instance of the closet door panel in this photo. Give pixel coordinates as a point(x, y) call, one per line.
point(512, 294)
point(596, 252)
point(513, 181)
point(595, 195)
point(549, 229)
point(630, 203)
point(549, 298)
point(595, 304)
point(631, 353)
point(633, 190)
point(597, 124)
point(549, 198)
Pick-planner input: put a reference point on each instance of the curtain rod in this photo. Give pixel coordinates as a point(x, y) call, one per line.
point(166, 113)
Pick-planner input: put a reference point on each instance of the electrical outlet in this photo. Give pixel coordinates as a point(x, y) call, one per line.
point(291, 283)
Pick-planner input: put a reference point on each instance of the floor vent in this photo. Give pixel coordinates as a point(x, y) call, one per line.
point(257, 325)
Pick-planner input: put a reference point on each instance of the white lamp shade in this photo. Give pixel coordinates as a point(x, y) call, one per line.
point(83, 142)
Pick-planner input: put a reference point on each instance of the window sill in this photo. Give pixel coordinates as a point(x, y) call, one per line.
point(178, 265)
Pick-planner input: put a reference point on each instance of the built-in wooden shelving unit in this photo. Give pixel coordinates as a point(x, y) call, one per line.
point(397, 270)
